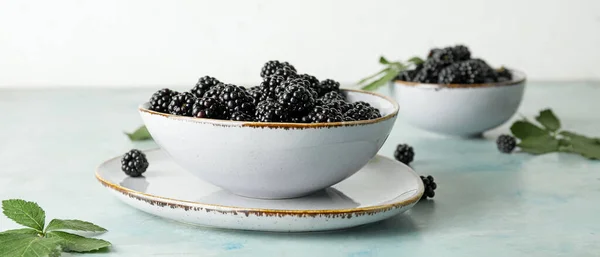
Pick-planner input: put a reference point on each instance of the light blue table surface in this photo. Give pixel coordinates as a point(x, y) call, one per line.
point(487, 203)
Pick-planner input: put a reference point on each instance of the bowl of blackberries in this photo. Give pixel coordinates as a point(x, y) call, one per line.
point(453, 92)
point(288, 136)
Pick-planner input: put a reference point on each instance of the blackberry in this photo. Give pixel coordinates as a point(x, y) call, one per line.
point(286, 72)
point(468, 72)
point(461, 53)
point(235, 98)
point(430, 71)
point(240, 116)
point(506, 143)
point(134, 163)
point(323, 114)
point(331, 96)
point(430, 187)
point(295, 98)
point(432, 52)
point(327, 86)
point(444, 56)
point(503, 74)
point(258, 94)
point(297, 82)
point(404, 153)
point(212, 108)
point(269, 85)
point(270, 67)
point(313, 82)
point(160, 100)
point(204, 84)
point(271, 111)
point(361, 111)
point(340, 105)
point(182, 104)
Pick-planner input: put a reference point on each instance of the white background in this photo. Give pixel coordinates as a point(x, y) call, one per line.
point(155, 43)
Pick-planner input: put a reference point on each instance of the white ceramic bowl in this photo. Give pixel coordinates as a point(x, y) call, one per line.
point(273, 160)
point(459, 109)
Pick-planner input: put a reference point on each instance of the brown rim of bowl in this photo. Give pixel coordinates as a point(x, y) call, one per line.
point(286, 124)
point(520, 79)
point(215, 207)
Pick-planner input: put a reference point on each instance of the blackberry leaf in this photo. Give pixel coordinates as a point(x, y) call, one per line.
point(585, 146)
point(539, 144)
point(548, 120)
point(76, 243)
point(26, 213)
point(139, 134)
point(524, 129)
point(77, 225)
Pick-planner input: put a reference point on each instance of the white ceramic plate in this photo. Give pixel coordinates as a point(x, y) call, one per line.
point(382, 189)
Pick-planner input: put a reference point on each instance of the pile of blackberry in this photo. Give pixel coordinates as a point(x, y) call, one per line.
point(284, 95)
point(454, 65)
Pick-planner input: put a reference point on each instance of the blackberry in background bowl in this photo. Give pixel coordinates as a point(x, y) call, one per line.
point(454, 92)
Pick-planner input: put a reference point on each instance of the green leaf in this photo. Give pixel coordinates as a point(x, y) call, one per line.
point(539, 144)
point(391, 74)
point(28, 245)
point(139, 134)
point(382, 60)
point(21, 231)
point(416, 60)
point(374, 75)
point(523, 129)
point(76, 243)
point(548, 120)
point(76, 225)
point(580, 144)
point(26, 213)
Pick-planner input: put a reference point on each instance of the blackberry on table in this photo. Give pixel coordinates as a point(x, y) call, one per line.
point(323, 114)
point(404, 153)
point(240, 116)
point(327, 86)
point(506, 143)
point(430, 186)
point(270, 67)
point(271, 111)
point(134, 163)
point(160, 100)
point(234, 97)
point(204, 84)
point(182, 104)
point(212, 108)
point(296, 98)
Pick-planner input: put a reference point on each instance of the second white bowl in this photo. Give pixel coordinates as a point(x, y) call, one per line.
point(273, 160)
point(459, 110)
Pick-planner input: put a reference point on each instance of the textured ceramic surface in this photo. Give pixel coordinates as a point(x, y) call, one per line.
point(459, 111)
point(381, 189)
point(273, 160)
